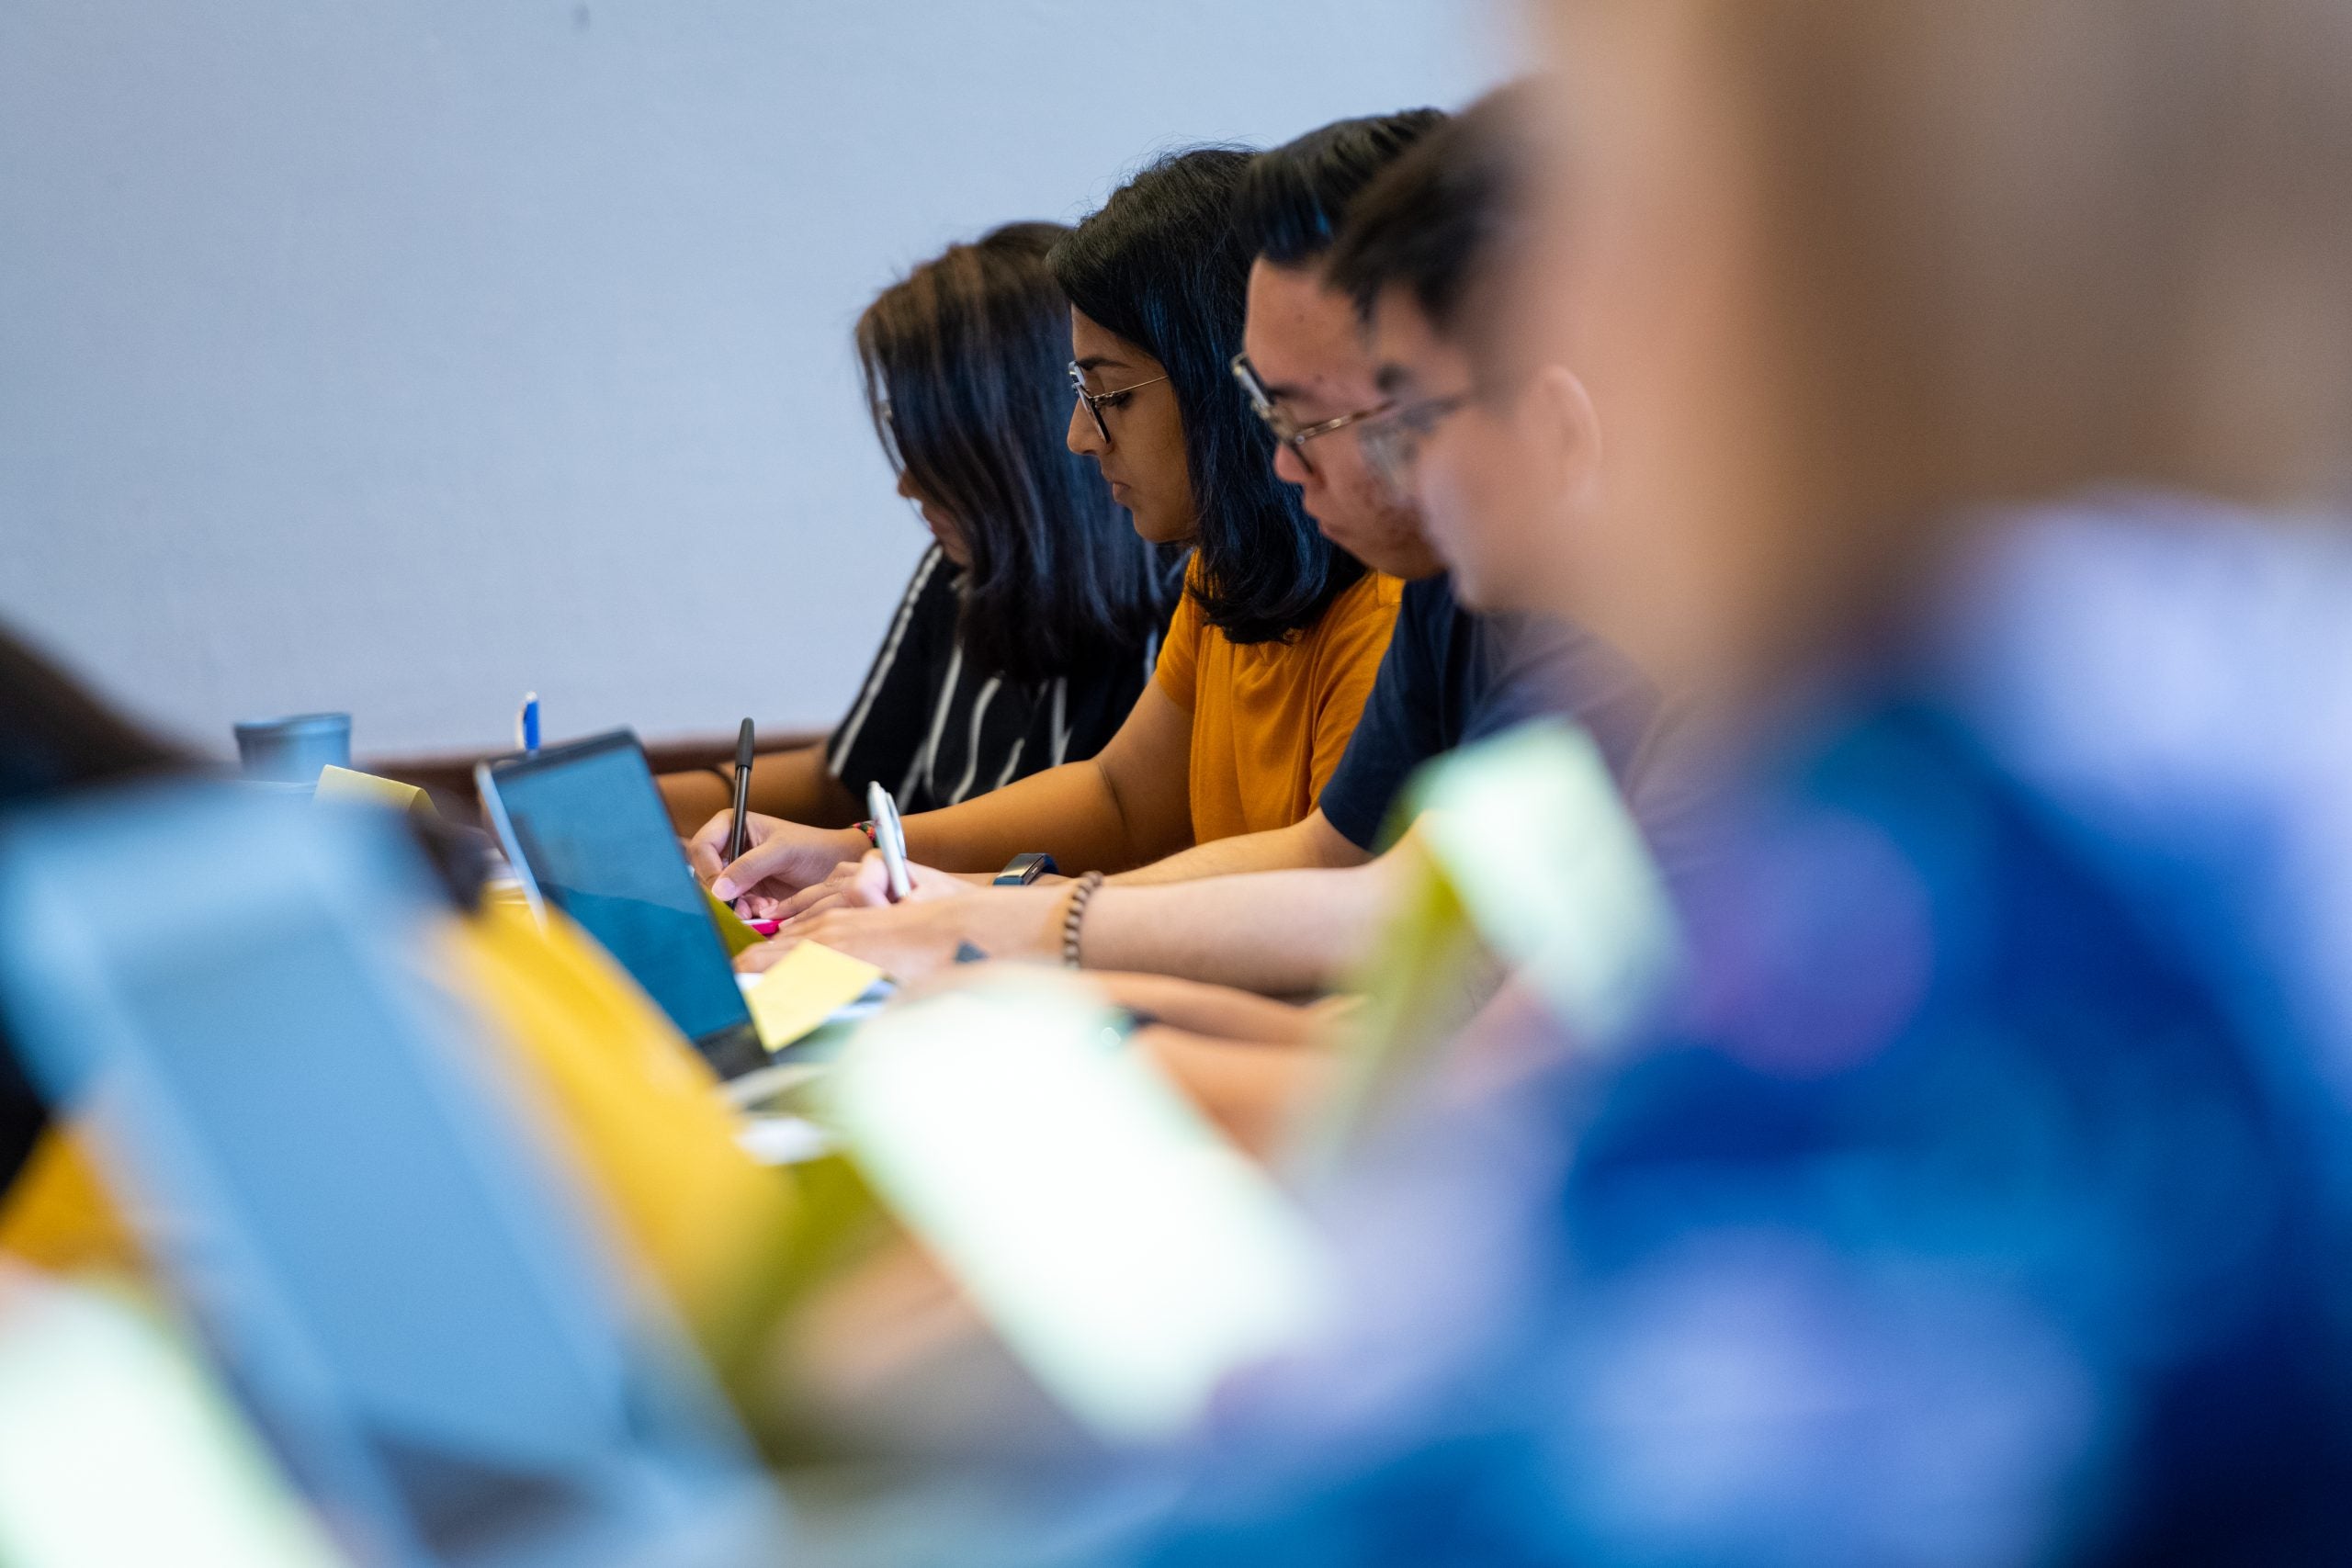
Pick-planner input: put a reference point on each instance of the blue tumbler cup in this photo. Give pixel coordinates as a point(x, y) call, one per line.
point(292, 751)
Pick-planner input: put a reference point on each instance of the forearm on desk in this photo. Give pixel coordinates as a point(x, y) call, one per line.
point(1124, 805)
point(1302, 845)
point(1220, 1013)
point(1279, 933)
point(798, 786)
point(1070, 812)
point(693, 797)
point(1253, 1092)
point(795, 785)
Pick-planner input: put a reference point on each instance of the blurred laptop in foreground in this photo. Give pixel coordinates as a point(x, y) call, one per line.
point(317, 1150)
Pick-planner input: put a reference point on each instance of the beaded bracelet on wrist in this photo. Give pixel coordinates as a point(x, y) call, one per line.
point(1074, 914)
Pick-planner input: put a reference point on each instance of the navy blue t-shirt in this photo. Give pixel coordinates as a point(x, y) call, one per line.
point(1452, 676)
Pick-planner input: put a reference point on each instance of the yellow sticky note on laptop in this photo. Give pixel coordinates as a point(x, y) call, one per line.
point(808, 985)
point(731, 929)
point(366, 789)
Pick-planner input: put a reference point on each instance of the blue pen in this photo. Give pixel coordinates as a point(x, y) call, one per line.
point(527, 723)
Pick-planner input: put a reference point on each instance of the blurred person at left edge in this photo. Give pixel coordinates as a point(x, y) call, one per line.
point(54, 737)
point(637, 1113)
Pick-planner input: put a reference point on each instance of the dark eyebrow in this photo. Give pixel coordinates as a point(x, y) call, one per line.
point(1393, 379)
point(1097, 361)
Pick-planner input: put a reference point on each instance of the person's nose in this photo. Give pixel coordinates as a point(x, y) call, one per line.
point(1291, 467)
point(1083, 438)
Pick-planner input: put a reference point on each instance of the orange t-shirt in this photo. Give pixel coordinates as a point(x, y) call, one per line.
point(1270, 719)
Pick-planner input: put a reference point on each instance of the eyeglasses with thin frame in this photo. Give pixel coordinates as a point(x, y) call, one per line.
point(1288, 431)
point(886, 423)
point(1097, 401)
point(1391, 440)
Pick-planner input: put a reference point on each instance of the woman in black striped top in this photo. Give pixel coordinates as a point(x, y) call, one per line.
point(936, 726)
point(1031, 626)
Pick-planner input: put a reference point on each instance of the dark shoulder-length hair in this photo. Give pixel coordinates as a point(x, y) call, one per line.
point(1164, 266)
point(963, 366)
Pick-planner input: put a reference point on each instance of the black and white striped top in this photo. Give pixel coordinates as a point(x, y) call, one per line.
point(935, 731)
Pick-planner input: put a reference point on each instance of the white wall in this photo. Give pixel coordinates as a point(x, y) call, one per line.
point(397, 355)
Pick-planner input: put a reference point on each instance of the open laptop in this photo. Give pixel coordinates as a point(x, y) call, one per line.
point(586, 832)
point(424, 1314)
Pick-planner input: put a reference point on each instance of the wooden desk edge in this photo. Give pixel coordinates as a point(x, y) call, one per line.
point(448, 776)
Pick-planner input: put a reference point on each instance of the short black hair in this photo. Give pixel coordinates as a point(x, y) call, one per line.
point(1441, 220)
point(1295, 197)
point(963, 360)
point(1163, 265)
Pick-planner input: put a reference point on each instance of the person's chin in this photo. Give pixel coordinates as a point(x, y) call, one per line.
point(1151, 529)
point(1367, 549)
point(1491, 588)
point(1338, 535)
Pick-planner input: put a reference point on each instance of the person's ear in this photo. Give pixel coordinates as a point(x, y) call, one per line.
point(1567, 432)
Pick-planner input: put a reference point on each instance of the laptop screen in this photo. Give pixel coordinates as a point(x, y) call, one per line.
point(592, 828)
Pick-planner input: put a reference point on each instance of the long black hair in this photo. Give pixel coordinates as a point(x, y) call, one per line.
point(1163, 265)
point(963, 361)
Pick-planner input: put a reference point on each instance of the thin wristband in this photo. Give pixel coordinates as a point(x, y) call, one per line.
point(1074, 915)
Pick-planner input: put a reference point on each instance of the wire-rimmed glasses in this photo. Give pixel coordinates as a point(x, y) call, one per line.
point(1392, 437)
point(1288, 431)
point(1096, 402)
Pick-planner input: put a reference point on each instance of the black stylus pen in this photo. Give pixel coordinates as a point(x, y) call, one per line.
point(735, 838)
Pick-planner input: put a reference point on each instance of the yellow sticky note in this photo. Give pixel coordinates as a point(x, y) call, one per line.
point(1521, 854)
point(1428, 972)
point(808, 987)
point(731, 929)
point(1552, 869)
point(366, 789)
